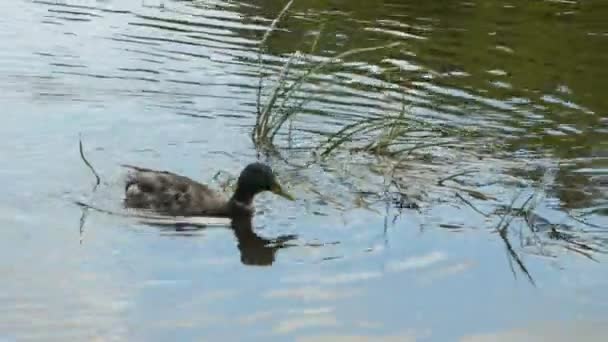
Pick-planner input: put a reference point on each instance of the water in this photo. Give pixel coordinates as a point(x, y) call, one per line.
point(172, 85)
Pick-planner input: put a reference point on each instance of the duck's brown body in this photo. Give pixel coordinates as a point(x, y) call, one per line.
point(172, 194)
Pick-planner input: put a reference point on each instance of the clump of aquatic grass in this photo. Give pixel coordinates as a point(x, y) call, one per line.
point(395, 136)
point(281, 103)
point(506, 216)
point(502, 229)
point(263, 126)
point(271, 117)
point(389, 135)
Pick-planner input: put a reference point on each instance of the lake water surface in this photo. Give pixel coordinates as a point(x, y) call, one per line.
point(172, 85)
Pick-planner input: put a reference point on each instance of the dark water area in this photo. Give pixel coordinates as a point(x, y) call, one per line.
point(172, 85)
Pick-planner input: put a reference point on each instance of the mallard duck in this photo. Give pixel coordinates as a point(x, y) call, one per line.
point(172, 194)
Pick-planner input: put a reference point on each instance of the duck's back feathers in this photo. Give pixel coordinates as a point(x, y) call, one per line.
point(171, 194)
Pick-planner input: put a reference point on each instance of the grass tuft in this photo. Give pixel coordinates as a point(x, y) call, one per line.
point(281, 105)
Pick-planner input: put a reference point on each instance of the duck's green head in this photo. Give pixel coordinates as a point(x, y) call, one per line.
point(258, 177)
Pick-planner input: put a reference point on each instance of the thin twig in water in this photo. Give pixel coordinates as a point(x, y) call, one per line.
point(84, 159)
point(531, 226)
point(519, 212)
point(97, 182)
point(510, 260)
point(471, 205)
point(585, 254)
point(511, 251)
point(473, 193)
point(504, 217)
point(583, 222)
point(466, 172)
point(409, 150)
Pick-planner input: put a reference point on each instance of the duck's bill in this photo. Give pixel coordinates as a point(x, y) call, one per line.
point(278, 190)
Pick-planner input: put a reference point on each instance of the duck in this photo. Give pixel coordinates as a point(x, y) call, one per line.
point(172, 194)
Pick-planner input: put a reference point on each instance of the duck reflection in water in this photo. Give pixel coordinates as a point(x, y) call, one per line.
point(255, 250)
